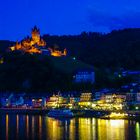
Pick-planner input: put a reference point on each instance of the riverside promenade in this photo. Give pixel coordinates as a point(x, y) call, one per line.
point(77, 113)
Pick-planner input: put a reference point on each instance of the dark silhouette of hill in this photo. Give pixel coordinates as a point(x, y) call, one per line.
point(117, 49)
point(120, 48)
point(4, 44)
point(37, 73)
point(106, 52)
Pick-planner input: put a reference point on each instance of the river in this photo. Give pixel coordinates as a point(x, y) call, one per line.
point(32, 127)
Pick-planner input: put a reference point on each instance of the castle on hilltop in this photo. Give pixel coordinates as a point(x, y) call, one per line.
point(35, 44)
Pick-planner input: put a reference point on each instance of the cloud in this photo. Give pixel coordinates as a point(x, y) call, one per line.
point(123, 19)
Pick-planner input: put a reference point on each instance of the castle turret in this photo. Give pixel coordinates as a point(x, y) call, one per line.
point(18, 46)
point(65, 52)
point(35, 34)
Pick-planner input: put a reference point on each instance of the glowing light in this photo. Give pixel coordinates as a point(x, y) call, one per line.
point(118, 115)
point(40, 100)
point(117, 123)
point(136, 107)
point(93, 105)
point(88, 103)
point(119, 75)
point(74, 58)
point(57, 53)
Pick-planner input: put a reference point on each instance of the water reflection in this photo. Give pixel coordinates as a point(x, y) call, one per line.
point(17, 126)
point(42, 127)
point(33, 127)
point(27, 126)
point(138, 131)
point(7, 127)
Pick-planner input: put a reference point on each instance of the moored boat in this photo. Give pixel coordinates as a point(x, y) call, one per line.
point(65, 113)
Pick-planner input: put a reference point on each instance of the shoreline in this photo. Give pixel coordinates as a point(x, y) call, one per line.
point(132, 115)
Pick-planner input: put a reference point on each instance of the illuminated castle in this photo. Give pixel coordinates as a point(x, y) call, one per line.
point(30, 45)
point(35, 44)
point(57, 53)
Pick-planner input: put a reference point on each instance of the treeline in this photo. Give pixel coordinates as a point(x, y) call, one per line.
point(114, 50)
point(120, 48)
point(106, 52)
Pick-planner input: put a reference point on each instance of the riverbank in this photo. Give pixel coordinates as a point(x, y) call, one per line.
point(77, 113)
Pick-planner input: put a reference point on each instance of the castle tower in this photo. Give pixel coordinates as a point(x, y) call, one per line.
point(65, 52)
point(18, 46)
point(35, 35)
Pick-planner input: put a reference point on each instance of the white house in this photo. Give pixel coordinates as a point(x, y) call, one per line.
point(84, 76)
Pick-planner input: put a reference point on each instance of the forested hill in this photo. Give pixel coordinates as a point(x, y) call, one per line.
point(39, 73)
point(113, 50)
point(117, 49)
point(4, 44)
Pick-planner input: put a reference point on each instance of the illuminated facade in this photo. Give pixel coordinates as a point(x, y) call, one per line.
point(30, 45)
point(85, 99)
point(39, 102)
point(138, 97)
point(55, 101)
point(58, 53)
point(84, 76)
point(35, 44)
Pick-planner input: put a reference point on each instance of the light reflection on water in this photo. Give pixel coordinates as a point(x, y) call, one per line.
point(45, 128)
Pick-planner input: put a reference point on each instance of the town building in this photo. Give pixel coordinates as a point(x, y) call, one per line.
point(84, 76)
point(57, 101)
point(38, 102)
point(85, 99)
point(138, 97)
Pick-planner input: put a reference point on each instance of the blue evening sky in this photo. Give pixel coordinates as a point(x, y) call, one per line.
point(59, 17)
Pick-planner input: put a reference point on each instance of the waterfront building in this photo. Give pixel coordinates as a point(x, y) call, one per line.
point(131, 97)
point(85, 99)
point(37, 102)
point(73, 102)
point(28, 102)
point(56, 101)
point(138, 97)
point(3, 101)
point(98, 95)
point(111, 101)
point(12, 100)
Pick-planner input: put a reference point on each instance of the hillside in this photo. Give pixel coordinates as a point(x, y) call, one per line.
point(37, 73)
point(105, 53)
point(114, 50)
point(69, 65)
point(4, 44)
